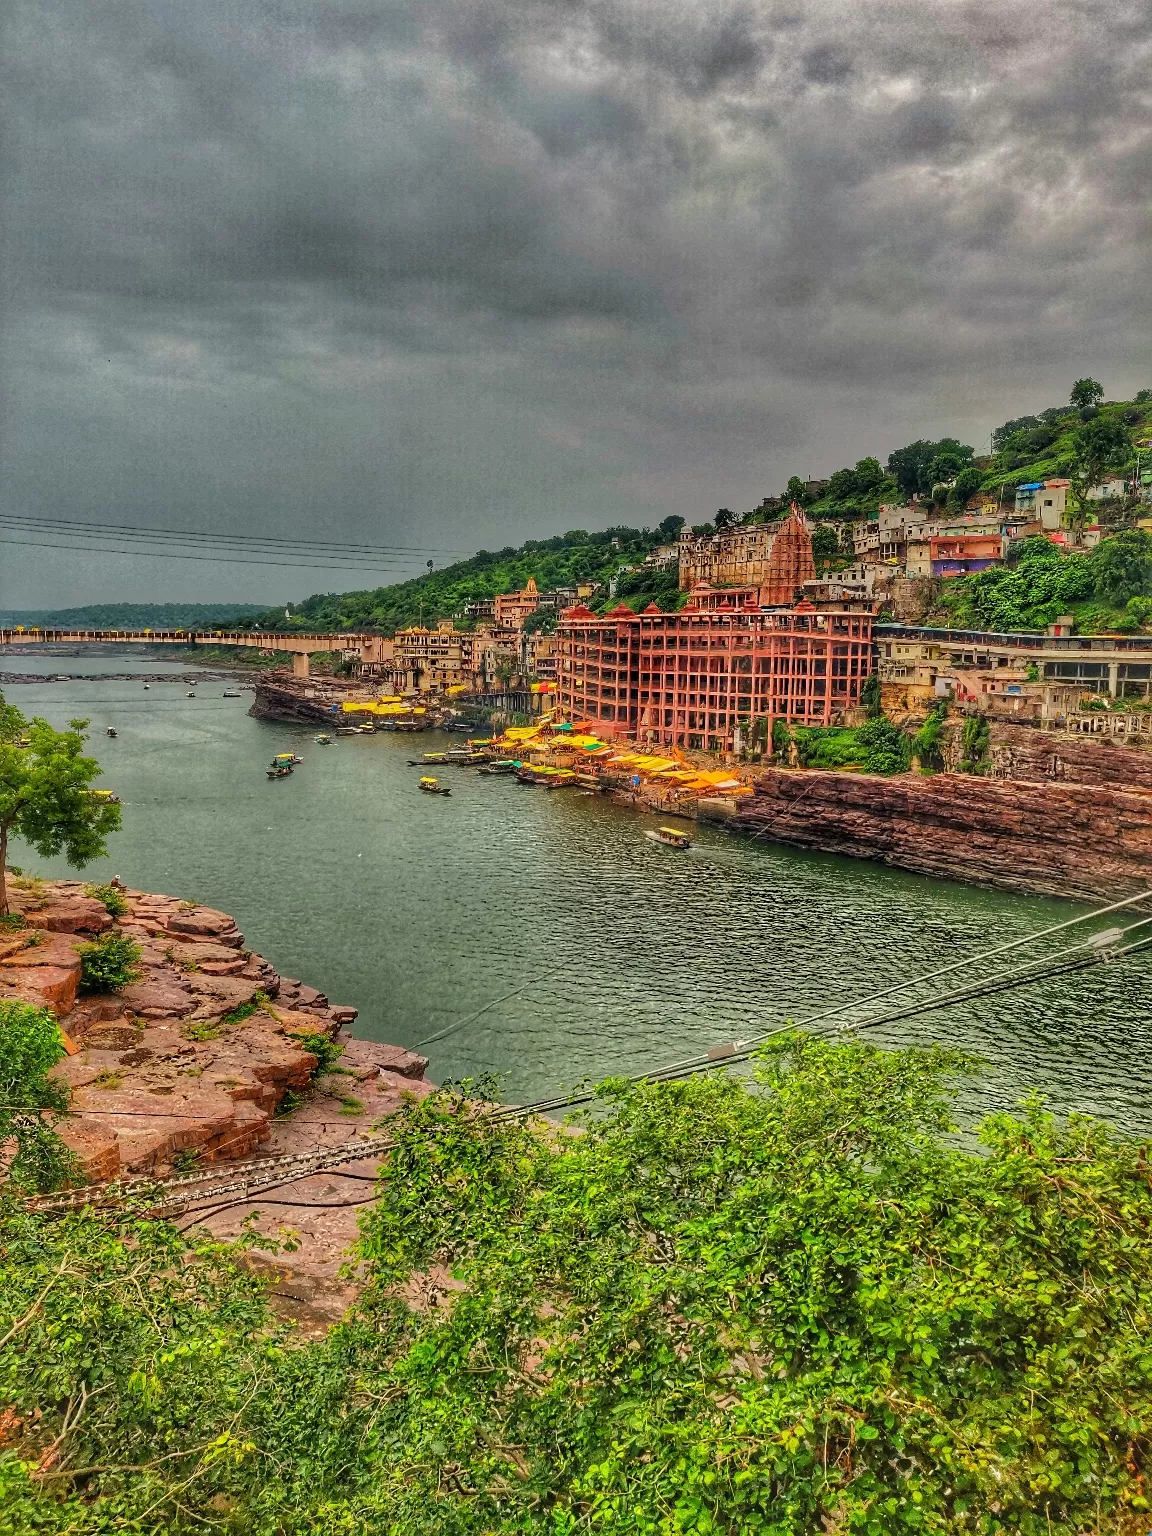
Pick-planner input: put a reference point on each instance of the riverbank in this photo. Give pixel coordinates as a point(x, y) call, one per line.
point(199, 1058)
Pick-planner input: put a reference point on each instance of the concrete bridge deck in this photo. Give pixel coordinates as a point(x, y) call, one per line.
point(367, 648)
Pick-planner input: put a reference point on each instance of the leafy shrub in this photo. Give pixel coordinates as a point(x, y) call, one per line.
point(926, 742)
point(108, 962)
point(795, 1309)
point(781, 738)
point(31, 1100)
point(974, 744)
point(828, 747)
point(885, 748)
point(111, 896)
point(325, 1050)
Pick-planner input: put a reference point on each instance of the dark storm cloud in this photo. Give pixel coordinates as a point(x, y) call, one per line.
point(463, 271)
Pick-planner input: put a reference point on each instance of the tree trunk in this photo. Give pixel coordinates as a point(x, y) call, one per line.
point(3, 871)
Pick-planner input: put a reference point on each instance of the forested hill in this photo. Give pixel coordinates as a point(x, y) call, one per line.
point(563, 561)
point(131, 616)
point(1084, 440)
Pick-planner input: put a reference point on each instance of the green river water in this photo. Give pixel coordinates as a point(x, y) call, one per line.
point(421, 910)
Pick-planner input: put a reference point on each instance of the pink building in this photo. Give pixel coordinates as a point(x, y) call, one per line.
point(697, 678)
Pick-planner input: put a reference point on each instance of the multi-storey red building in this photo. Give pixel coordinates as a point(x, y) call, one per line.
point(700, 677)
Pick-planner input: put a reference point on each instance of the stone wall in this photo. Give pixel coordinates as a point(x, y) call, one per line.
point(1054, 839)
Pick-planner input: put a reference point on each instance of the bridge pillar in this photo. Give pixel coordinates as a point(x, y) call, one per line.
point(300, 664)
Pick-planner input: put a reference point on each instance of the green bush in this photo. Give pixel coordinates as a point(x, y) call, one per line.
point(884, 747)
point(783, 1308)
point(31, 1100)
point(111, 896)
point(325, 1050)
point(108, 962)
point(828, 747)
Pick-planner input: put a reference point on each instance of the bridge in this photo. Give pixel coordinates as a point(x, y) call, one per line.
point(368, 648)
point(1116, 664)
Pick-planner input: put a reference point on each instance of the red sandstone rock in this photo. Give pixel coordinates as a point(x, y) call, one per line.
point(153, 998)
point(95, 1147)
point(112, 1037)
point(52, 983)
point(76, 914)
point(203, 920)
point(386, 1058)
point(1020, 753)
point(1052, 839)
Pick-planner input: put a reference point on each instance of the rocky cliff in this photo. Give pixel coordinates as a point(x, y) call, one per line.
point(1055, 838)
point(1021, 752)
point(192, 1060)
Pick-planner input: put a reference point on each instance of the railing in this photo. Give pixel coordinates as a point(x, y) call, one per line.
point(1033, 640)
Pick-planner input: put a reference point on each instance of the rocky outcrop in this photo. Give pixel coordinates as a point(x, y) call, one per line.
point(1053, 839)
point(1023, 753)
point(191, 1061)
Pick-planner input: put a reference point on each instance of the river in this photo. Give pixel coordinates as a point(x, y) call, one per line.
point(620, 954)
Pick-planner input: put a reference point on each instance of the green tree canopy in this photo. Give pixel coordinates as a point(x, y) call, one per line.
point(912, 466)
point(46, 795)
point(669, 528)
point(1101, 444)
point(1086, 392)
point(1122, 566)
point(783, 1311)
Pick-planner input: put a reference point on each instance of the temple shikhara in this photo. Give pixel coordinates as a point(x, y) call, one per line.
point(775, 557)
point(733, 657)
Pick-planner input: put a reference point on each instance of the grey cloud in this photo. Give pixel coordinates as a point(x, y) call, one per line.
point(478, 269)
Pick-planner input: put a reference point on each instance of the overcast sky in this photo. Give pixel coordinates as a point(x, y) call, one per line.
point(454, 273)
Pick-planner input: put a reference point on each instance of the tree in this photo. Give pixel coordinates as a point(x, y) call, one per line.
point(1101, 445)
point(724, 519)
point(45, 793)
point(1121, 566)
point(1142, 396)
point(669, 528)
point(795, 491)
point(910, 467)
point(965, 486)
point(1086, 392)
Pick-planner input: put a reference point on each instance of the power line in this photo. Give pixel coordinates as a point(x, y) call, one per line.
point(225, 557)
point(185, 535)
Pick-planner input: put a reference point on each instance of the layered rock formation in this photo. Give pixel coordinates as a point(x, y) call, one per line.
point(1055, 838)
point(192, 1060)
point(1024, 753)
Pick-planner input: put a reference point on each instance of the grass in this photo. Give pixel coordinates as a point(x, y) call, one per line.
point(108, 1080)
point(12, 922)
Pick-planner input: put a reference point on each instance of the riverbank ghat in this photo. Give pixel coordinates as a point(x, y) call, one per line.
point(191, 1060)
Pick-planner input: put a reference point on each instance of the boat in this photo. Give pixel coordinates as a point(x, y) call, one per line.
point(279, 770)
point(147, 685)
point(111, 730)
point(285, 759)
point(231, 693)
point(429, 757)
point(322, 740)
point(434, 787)
point(671, 837)
point(189, 695)
point(503, 765)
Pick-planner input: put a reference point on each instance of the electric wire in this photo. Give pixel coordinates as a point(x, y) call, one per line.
point(318, 562)
point(21, 520)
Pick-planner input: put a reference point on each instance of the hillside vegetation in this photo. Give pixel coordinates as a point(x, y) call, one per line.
point(132, 616)
point(801, 1308)
point(1082, 441)
point(563, 561)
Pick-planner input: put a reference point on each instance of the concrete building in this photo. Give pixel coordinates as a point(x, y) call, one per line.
point(1045, 501)
point(512, 608)
point(960, 554)
point(699, 678)
point(428, 659)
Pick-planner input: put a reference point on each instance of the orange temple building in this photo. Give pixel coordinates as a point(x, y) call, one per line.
point(699, 677)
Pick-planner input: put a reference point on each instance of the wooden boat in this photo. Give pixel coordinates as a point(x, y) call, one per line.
point(189, 695)
point(322, 740)
point(111, 730)
point(429, 757)
point(503, 765)
point(231, 693)
point(279, 770)
point(671, 837)
point(434, 787)
point(283, 758)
